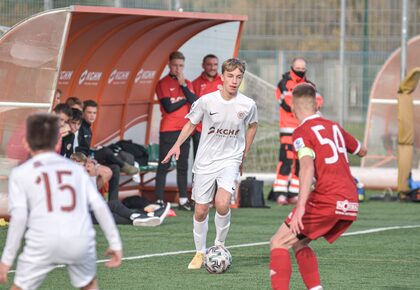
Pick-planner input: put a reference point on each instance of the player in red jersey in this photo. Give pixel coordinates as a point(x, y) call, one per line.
point(175, 95)
point(331, 207)
point(207, 82)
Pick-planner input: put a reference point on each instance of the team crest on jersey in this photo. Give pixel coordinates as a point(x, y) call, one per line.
point(299, 143)
point(241, 115)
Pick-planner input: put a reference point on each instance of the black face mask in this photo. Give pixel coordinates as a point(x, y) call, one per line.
point(300, 74)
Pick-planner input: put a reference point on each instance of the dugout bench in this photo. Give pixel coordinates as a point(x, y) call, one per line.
point(145, 186)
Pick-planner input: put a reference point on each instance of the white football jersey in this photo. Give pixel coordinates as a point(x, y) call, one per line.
point(225, 123)
point(57, 194)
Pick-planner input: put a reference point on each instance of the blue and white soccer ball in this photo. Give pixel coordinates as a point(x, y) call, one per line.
point(218, 259)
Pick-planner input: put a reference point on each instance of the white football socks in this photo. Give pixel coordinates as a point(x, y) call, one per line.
point(222, 223)
point(200, 234)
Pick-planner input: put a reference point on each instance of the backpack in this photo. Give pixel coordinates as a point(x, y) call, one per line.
point(140, 153)
point(251, 193)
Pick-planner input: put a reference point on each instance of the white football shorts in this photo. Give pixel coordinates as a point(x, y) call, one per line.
point(37, 260)
point(204, 185)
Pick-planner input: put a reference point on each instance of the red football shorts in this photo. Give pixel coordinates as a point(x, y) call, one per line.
point(317, 225)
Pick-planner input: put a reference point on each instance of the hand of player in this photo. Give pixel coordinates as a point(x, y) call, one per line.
point(180, 77)
point(4, 270)
point(65, 130)
point(175, 150)
point(296, 224)
point(91, 168)
point(116, 258)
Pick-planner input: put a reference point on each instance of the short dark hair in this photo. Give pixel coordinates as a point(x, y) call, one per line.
point(77, 115)
point(176, 55)
point(89, 103)
point(63, 108)
point(232, 64)
point(42, 131)
point(209, 56)
point(74, 101)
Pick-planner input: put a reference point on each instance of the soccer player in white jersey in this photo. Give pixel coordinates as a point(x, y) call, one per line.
point(229, 126)
point(49, 201)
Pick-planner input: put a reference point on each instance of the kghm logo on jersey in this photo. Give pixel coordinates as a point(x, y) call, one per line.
point(224, 132)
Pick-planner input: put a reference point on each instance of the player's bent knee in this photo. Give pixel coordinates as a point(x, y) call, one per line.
point(277, 242)
point(222, 201)
point(283, 238)
point(200, 212)
point(301, 244)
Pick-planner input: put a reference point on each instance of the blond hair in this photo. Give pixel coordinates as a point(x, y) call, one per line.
point(232, 64)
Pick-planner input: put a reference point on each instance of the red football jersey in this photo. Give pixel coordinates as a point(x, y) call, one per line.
point(168, 87)
point(203, 86)
point(335, 191)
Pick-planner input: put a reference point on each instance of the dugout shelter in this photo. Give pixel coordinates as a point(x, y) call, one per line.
point(114, 56)
point(392, 132)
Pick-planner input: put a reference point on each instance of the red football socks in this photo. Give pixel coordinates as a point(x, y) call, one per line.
point(280, 269)
point(308, 267)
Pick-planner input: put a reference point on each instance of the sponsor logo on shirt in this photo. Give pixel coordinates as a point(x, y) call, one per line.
point(346, 207)
point(177, 99)
point(299, 143)
point(220, 132)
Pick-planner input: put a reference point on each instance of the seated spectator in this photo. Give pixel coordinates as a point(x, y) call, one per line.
point(75, 103)
point(104, 155)
point(140, 216)
point(64, 113)
point(80, 141)
point(71, 141)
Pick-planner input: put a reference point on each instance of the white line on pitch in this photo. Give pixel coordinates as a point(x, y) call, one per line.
point(248, 245)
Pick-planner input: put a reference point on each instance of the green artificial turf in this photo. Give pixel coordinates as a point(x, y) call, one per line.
point(382, 260)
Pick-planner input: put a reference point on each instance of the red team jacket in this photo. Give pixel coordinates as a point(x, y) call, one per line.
point(335, 192)
point(203, 86)
point(168, 87)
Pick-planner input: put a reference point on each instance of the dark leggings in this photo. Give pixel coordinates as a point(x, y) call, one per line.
point(166, 141)
point(120, 213)
point(106, 157)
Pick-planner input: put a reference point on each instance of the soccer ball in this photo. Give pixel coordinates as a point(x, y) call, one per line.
point(218, 259)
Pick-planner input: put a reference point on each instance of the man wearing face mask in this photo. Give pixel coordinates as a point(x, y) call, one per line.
point(286, 184)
